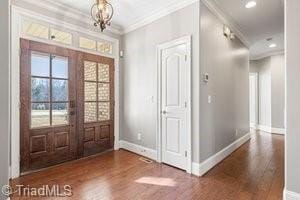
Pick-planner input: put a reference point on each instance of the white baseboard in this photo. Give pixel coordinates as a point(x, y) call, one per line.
point(264, 128)
point(289, 195)
point(254, 126)
point(196, 169)
point(138, 149)
point(269, 129)
point(202, 168)
point(280, 131)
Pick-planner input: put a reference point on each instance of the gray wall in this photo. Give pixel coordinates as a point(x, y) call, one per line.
point(139, 76)
point(4, 91)
point(292, 96)
point(278, 90)
point(227, 62)
point(271, 72)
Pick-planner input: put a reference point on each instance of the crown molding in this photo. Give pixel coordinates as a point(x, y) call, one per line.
point(214, 8)
point(158, 14)
point(264, 55)
point(70, 12)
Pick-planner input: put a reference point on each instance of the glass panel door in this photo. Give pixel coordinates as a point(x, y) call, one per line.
point(48, 107)
point(97, 104)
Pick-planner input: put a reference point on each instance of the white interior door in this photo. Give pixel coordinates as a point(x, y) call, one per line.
point(174, 103)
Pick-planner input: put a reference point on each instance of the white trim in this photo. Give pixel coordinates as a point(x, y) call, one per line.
point(272, 130)
point(272, 53)
point(186, 40)
point(158, 14)
point(17, 14)
point(289, 195)
point(208, 164)
point(264, 128)
point(70, 12)
point(212, 5)
point(280, 131)
point(138, 149)
point(255, 125)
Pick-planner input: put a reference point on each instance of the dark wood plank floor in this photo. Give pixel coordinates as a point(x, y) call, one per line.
point(254, 171)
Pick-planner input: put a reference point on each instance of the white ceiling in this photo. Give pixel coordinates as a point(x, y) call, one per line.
point(257, 24)
point(127, 12)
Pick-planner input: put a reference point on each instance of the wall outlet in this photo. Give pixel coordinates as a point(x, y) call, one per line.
point(236, 132)
point(139, 136)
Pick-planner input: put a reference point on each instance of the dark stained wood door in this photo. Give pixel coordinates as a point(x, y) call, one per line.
point(95, 104)
point(67, 104)
point(48, 105)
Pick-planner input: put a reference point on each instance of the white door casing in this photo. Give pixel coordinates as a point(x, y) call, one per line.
point(174, 65)
point(253, 100)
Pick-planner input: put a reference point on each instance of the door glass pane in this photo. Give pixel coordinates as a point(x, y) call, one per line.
point(90, 91)
point(40, 64)
point(103, 92)
point(40, 115)
point(60, 114)
point(60, 67)
point(39, 89)
point(90, 112)
point(59, 90)
point(103, 73)
point(90, 71)
point(104, 111)
point(61, 36)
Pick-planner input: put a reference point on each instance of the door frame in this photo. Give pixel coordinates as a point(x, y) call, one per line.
point(255, 125)
point(18, 14)
point(182, 40)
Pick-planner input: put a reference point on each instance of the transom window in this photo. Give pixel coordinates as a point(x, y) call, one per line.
point(59, 35)
point(96, 92)
point(49, 90)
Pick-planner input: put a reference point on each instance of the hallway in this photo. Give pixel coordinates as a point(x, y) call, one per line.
point(254, 171)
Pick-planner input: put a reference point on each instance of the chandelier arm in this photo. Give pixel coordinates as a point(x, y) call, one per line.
point(93, 17)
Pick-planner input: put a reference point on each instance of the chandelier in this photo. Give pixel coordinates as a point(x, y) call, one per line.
point(102, 13)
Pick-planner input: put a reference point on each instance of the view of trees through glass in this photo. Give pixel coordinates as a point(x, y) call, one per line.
point(49, 90)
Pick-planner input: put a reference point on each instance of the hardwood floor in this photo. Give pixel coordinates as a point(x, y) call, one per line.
point(254, 171)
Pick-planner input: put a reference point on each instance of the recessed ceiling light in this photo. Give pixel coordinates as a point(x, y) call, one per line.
point(272, 45)
point(250, 4)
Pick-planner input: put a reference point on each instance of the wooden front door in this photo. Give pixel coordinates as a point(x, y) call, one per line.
point(67, 104)
point(48, 108)
point(95, 104)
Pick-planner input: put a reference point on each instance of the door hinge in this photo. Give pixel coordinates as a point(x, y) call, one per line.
point(185, 104)
point(185, 153)
point(185, 57)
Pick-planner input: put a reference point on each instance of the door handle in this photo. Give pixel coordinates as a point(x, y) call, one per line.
point(164, 112)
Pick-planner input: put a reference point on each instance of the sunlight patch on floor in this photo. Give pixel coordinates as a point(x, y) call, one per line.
point(157, 181)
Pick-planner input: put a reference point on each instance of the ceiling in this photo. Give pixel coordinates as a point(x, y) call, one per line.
point(127, 12)
point(266, 20)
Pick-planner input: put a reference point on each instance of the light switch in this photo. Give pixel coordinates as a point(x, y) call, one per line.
point(209, 99)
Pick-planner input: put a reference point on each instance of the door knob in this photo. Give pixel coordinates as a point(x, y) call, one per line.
point(164, 112)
